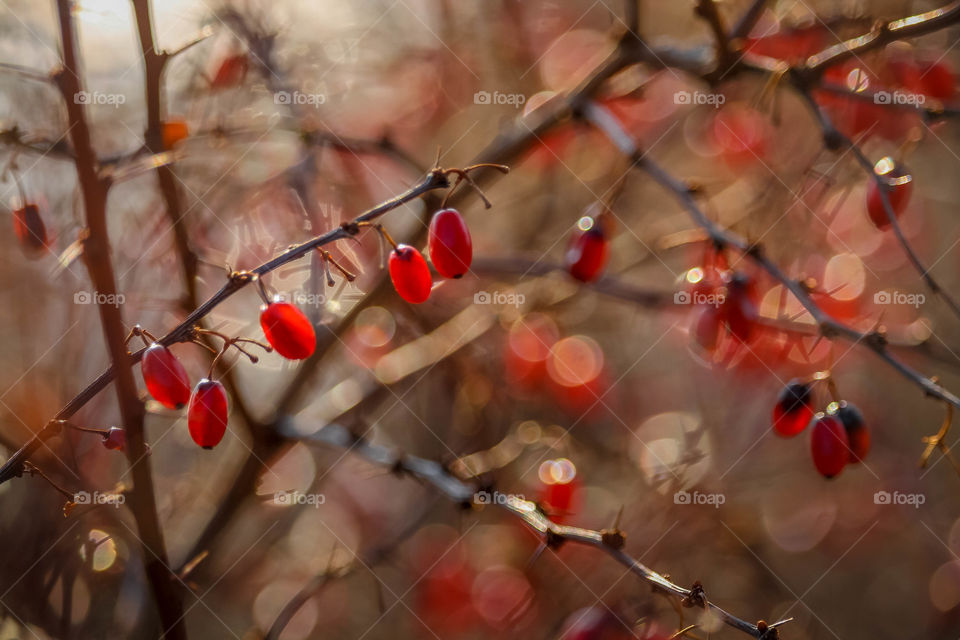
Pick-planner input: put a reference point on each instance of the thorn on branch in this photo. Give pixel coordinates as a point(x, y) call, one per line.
point(696, 598)
point(766, 631)
point(613, 538)
point(553, 539)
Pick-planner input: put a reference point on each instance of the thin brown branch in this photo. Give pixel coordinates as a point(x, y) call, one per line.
point(461, 491)
point(883, 34)
point(748, 20)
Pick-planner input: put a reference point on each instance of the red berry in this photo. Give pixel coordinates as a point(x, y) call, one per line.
point(794, 409)
point(410, 274)
point(288, 330)
point(739, 307)
point(115, 438)
point(30, 230)
point(165, 377)
point(901, 184)
point(231, 71)
point(829, 445)
point(857, 434)
point(451, 249)
point(207, 415)
point(589, 250)
point(559, 488)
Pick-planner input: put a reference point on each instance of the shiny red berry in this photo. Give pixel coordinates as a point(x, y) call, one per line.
point(410, 274)
point(288, 330)
point(901, 185)
point(30, 230)
point(115, 438)
point(739, 307)
point(207, 415)
point(857, 433)
point(589, 251)
point(794, 409)
point(165, 377)
point(829, 445)
point(451, 248)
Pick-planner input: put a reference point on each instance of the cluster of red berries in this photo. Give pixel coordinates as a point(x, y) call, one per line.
point(840, 436)
point(287, 330)
point(451, 252)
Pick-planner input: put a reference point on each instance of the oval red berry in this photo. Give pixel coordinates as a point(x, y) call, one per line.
point(900, 187)
point(115, 438)
point(288, 330)
point(829, 446)
point(588, 254)
point(857, 433)
point(451, 249)
point(165, 377)
point(207, 415)
point(30, 230)
point(410, 274)
point(794, 409)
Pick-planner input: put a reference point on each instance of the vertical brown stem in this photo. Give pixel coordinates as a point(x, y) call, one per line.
point(96, 254)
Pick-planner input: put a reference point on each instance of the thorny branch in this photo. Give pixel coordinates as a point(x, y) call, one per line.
point(463, 490)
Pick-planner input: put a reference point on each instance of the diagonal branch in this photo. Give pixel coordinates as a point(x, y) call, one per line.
point(610, 541)
point(828, 327)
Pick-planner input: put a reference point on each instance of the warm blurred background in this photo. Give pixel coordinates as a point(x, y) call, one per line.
point(592, 398)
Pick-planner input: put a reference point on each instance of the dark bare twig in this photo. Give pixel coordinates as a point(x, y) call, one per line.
point(748, 20)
